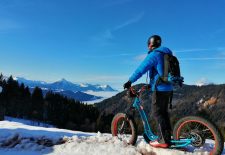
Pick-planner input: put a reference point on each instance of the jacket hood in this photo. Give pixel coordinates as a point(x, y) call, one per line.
point(164, 50)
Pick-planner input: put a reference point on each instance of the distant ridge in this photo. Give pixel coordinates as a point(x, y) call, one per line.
point(67, 88)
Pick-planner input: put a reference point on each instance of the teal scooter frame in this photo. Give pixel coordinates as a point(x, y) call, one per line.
point(148, 131)
point(191, 131)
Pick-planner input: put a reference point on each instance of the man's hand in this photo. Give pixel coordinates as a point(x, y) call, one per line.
point(127, 85)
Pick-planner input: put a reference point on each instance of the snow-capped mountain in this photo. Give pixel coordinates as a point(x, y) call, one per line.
point(63, 84)
point(68, 89)
point(203, 82)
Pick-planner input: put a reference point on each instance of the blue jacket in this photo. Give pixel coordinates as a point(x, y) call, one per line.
point(154, 63)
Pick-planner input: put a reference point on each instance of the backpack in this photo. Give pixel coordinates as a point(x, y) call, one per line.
point(171, 73)
point(171, 70)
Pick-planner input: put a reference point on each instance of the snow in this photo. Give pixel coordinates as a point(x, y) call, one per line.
point(83, 85)
point(203, 82)
point(17, 138)
point(103, 86)
point(27, 122)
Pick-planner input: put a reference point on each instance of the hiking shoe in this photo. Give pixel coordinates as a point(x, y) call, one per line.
point(157, 144)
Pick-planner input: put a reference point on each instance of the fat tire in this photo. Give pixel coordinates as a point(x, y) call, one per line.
point(219, 142)
point(132, 125)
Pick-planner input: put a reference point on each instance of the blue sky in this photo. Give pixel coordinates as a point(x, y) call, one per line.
point(104, 41)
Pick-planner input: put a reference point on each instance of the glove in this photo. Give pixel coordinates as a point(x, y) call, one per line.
point(127, 85)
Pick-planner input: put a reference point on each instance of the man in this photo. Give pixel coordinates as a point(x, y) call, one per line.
point(162, 91)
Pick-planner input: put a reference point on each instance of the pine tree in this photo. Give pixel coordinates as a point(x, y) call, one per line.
point(37, 102)
point(1, 99)
point(11, 97)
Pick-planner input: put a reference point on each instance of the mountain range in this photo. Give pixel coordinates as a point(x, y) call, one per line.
point(206, 100)
point(67, 88)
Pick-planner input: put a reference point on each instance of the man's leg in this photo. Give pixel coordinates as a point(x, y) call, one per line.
point(160, 101)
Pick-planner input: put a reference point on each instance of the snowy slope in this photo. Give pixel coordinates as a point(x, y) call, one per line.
point(20, 139)
point(28, 122)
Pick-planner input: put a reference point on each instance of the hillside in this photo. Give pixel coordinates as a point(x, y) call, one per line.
point(208, 101)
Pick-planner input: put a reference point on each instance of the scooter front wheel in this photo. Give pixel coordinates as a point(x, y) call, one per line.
point(204, 134)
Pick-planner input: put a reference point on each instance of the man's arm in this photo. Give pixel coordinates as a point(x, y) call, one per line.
point(146, 65)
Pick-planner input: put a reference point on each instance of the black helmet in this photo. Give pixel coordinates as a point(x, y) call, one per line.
point(154, 41)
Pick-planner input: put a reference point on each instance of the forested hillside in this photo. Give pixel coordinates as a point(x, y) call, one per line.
point(17, 101)
point(207, 101)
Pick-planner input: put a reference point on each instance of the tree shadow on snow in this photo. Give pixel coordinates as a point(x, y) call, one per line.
point(37, 141)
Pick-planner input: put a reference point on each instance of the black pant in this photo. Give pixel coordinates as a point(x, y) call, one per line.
point(160, 101)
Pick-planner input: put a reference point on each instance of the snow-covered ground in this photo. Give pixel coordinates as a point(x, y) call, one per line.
point(28, 122)
point(17, 138)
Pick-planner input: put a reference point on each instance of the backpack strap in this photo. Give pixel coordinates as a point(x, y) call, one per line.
point(166, 67)
point(164, 78)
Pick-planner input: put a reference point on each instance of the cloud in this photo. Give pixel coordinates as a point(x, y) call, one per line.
point(206, 58)
point(140, 57)
point(109, 56)
point(192, 50)
point(219, 56)
point(107, 34)
point(133, 20)
point(104, 38)
point(219, 49)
